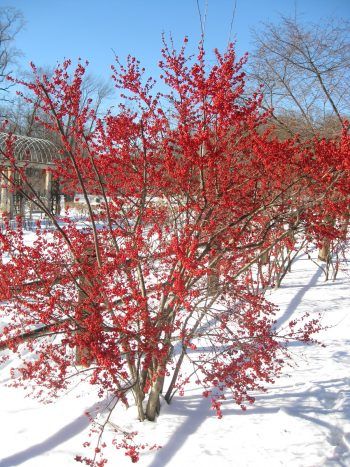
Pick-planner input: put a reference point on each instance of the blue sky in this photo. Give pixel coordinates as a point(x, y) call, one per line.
point(92, 28)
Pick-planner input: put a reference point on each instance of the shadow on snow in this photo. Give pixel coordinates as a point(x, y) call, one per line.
point(62, 435)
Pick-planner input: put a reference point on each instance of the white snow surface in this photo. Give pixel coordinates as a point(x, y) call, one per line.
point(302, 420)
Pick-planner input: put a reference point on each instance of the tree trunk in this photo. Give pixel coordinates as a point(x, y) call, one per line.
point(170, 392)
point(83, 355)
point(264, 259)
point(213, 282)
point(153, 404)
point(138, 397)
point(324, 252)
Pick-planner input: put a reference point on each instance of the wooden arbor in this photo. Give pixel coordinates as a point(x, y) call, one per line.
point(35, 156)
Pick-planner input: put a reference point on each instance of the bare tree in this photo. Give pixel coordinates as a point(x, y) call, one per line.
point(11, 22)
point(305, 73)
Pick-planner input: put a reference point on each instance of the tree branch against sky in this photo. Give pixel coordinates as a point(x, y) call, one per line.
point(123, 28)
point(305, 72)
point(11, 23)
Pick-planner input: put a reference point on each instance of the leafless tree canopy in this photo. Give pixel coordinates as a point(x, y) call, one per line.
point(11, 22)
point(305, 72)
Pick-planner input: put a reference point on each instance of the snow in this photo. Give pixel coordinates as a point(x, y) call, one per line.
point(302, 420)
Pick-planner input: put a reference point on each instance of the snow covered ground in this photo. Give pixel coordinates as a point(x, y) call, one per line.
point(303, 419)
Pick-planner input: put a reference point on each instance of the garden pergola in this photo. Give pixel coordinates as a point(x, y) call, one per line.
point(35, 156)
